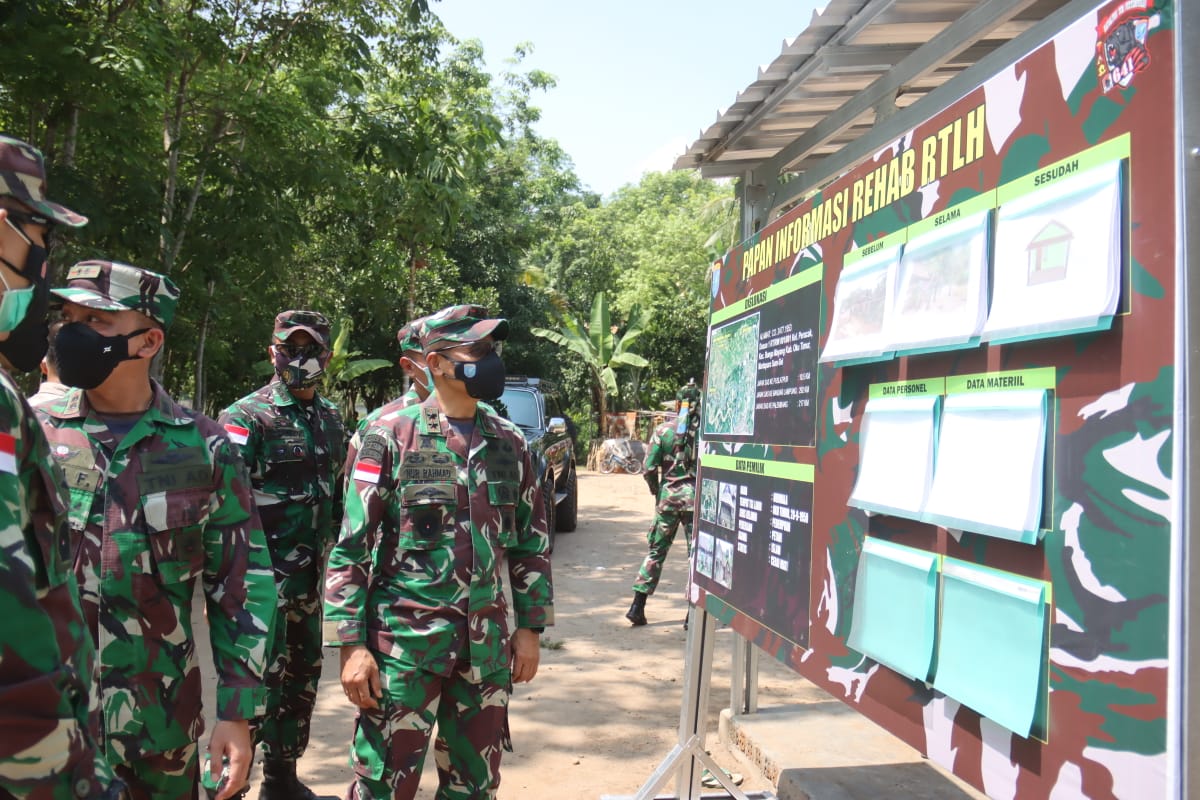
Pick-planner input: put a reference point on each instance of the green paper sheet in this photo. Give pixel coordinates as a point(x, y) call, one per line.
point(895, 602)
point(992, 643)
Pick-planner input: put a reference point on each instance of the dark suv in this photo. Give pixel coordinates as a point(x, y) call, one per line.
point(533, 405)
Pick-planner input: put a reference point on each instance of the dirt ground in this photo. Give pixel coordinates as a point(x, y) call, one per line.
point(603, 711)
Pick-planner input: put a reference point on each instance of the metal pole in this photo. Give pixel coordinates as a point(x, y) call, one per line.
point(737, 676)
point(1186, 636)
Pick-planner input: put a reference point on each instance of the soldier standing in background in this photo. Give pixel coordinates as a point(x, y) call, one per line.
point(444, 494)
point(412, 361)
point(292, 442)
point(673, 448)
point(159, 499)
point(51, 388)
point(47, 667)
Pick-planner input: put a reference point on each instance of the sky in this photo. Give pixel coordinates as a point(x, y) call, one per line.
point(637, 81)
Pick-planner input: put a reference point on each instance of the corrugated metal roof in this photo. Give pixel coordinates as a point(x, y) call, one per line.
point(855, 64)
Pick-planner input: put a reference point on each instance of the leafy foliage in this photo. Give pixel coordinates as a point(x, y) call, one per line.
point(353, 157)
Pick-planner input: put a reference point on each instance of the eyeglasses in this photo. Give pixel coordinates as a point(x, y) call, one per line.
point(293, 351)
point(477, 349)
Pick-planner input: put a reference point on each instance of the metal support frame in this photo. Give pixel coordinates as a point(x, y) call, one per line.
point(743, 677)
point(1186, 654)
point(688, 756)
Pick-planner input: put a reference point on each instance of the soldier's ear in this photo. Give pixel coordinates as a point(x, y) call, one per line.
point(152, 343)
point(433, 360)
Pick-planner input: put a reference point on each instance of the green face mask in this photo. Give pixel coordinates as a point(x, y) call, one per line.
point(14, 305)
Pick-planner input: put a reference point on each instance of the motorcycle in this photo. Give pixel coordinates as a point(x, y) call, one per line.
point(620, 454)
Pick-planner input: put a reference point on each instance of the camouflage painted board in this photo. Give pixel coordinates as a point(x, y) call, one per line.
point(1111, 533)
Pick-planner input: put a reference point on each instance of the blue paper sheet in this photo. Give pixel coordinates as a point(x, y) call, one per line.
point(895, 602)
point(992, 645)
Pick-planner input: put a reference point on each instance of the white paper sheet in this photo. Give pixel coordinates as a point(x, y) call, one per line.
point(1058, 258)
point(896, 458)
point(861, 303)
point(989, 472)
point(941, 295)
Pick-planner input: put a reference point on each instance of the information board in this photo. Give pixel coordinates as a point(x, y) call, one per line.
point(1009, 265)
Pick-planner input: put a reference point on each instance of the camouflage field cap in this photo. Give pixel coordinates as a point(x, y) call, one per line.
point(313, 323)
point(409, 336)
point(113, 286)
point(23, 176)
point(457, 325)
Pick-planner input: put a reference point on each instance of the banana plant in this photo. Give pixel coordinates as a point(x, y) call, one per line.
point(601, 349)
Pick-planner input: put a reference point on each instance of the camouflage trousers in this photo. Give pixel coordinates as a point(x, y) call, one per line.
point(173, 775)
point(292, 675)
point(390, 743)
point(660, 537)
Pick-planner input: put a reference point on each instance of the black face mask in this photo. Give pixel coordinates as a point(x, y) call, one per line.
point(86, 358)
point(484, 378)
point(26, 344)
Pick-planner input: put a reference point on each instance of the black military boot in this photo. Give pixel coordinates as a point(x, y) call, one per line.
point(280, 781)
point(637, 612)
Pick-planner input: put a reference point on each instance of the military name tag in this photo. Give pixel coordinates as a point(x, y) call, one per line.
point(429, 473)
point(502, 493)
point(499, 473)
point(168, 479)
point(427, 466)
point(178, 457)
point(81, 478)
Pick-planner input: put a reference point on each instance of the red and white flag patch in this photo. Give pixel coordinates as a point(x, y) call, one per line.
point(8, 453)
point(237, 434)
point(367, 473)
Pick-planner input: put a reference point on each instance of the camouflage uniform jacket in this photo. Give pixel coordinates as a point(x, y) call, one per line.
point(293, 452)
point(409, 398)
point(676, 454)
point(416, 572)
point(46, 655)
point(150, 513)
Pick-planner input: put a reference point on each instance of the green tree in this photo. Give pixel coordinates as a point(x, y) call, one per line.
point(599, 347)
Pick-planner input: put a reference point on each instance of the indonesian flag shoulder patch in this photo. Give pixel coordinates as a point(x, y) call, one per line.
point(237, 434)
point(367, 472)
point(8, 453)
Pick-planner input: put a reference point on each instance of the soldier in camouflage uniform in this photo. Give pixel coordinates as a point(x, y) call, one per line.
point(444, 493)
point(292, 442)
point(47, 661)
point(412, 361)
point(673, 448)
point(159, 498)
